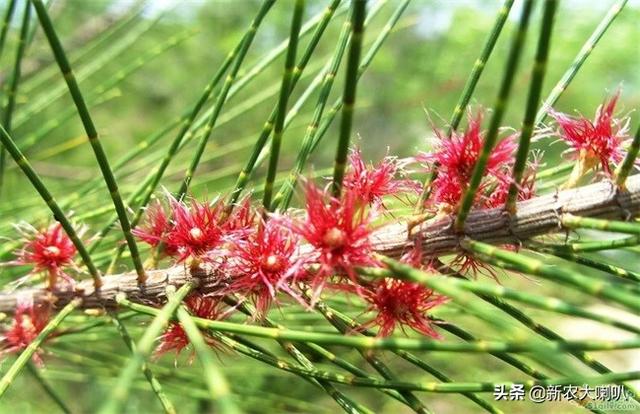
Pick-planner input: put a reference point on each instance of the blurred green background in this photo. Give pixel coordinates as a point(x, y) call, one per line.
point(421, 69)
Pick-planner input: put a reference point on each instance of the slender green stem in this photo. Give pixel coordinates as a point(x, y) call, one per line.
point(579, 60)
point(535, 90)
point(349, 96)
point(490, 290)
point(500, 107)
point(293, 350)
point(120, 392)
point(394, 342)
point(337, 318)
point(151, 378)
point(285, 89)
point(283, 198)
point(591, 246)
point(11, 6)
point(58, 214)
point(220, 101)
point(315, 130)
point(47, 388)
point(574, 222)
point(12, 91)
point(218, 387)
point(586, 261)
point(245, 173)
point(535, 326)
point(469, 88)
point(377, 364)
point(569, 277)
point(28, 352)
point(92, 134)
point(625, 168)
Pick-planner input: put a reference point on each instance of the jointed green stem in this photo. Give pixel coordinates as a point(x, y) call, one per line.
point(296, 353)
point(11, 6)
point(336, 317)
point(220, 100)
point(58, 214)
point(285, 89)
point(579, 60)
point(13, 87)
point(490, 290)
point(571, 278)
point(92, 134)
point(535, 90)
point(500, 107)
point(283, 198)
point(28, 352)
point(349, 96)
point(153, 381)
point(469, 88)
point(394, 342)
point(574, 222)
point(120, 392)
point(218, 387)
point(47, 388)
point(316, 131)
point(245, 174)
point(629, 161)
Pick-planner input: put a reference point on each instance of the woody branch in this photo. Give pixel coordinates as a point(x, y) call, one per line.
point(538, 216)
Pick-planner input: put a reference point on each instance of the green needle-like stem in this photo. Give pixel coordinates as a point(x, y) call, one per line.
point(499, 108)
point(92, 134)
point(285, 89)
point(349, 96)
point(535, 90)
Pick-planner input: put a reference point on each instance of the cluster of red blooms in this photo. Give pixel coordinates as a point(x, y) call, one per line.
point(598, 143)
point(258, 257)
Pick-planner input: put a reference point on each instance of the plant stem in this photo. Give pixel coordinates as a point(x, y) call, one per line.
point(285, 89)
point(47, 388)
point(579, 60)
point(13, 87)
point(349, 96)
point(92, 134)
point(220, 101)
point(120, 392)
point(218, 387)
point(395, 342)
point(467, 91)
point(155, 384)
point(28, 352)
point(500, 107)
point(535, 90)
point(625, 168)
point(245, 173)
point(520, 262)
point(58, 214)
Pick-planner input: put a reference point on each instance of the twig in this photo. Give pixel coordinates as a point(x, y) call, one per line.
point(539, 216)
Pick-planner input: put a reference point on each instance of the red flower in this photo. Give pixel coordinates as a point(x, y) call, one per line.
point(260, 264)
point(49, 250)
point(196, 229)
point(371, 183)
point(28, 321)
point(598, 142)
point(400, 303)
point(457, 157)
point(175, 338)
point(338, 232)
point(156, 229)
